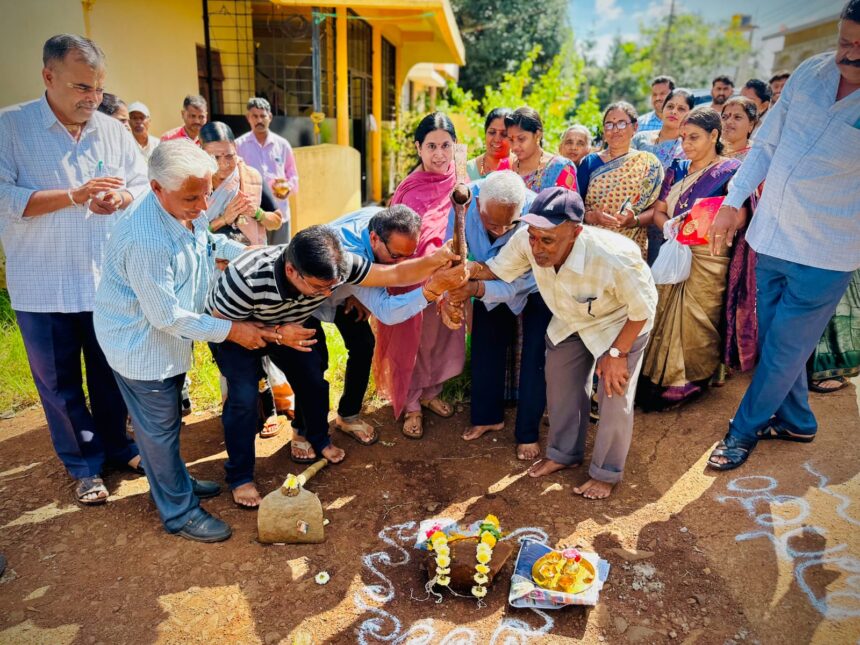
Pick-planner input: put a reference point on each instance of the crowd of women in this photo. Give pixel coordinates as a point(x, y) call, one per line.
point(640, 185)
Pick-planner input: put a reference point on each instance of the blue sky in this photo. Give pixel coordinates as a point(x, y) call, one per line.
point(604, 19)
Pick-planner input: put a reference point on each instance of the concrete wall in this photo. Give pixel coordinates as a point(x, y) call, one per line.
point(24, 28)
point(329, 184)
point(150, 48)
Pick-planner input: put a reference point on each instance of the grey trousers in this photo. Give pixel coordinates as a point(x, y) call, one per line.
point(569, 375)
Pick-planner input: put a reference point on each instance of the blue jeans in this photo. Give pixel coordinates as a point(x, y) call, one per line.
point(242, 418)
point(84, 437)
point(156, 411)
point(794, 303)
point(493, 332)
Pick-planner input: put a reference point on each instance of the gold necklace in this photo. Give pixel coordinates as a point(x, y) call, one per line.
point(686, 202)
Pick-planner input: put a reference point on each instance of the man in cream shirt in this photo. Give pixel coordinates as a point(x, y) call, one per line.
point(603, 301)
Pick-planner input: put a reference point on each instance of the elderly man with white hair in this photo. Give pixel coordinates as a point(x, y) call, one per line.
point(159, 263)
point(491, 220)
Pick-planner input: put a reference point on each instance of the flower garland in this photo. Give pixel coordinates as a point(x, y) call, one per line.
point(488, 534)
point(438, 542)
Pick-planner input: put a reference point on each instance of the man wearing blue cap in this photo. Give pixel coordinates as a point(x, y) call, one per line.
point(603, 301)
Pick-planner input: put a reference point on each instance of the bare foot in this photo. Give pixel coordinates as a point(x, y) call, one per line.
point(476, 432)
point(134, 464)
point(594, 489)
point(546, 466)
point(247, 496)
point(526, 451)
point(334, 454)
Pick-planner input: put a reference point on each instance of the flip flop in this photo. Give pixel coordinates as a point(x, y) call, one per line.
point(815, 386)
point(438, 407)
point(304, 446)
point(355, 429)
point(273, 426)
point(413, 425)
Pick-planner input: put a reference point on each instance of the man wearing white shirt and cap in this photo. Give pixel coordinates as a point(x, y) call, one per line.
point(603, 301)
point(139, 119)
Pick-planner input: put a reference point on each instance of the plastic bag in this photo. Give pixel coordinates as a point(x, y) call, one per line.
point(673, 263)
point(285, 400)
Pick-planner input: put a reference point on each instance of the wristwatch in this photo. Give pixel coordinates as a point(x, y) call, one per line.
point(614, 352)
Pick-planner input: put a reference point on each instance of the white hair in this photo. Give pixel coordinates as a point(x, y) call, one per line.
point(578, 128)
point(172, 162)
point(504, 187)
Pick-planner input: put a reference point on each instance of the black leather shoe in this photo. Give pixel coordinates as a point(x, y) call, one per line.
point(203, 527)
point(203, 488)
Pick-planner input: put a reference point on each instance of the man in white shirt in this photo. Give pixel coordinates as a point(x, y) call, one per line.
point(139, 119)
point(603, 301)
point(806, 235)
point(66, 171)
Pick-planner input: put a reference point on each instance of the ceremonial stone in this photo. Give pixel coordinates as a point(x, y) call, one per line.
point(463, 563)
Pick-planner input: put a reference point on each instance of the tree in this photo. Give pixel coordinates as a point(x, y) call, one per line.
point(498, 35)
point(694, 51)
point(693, 54)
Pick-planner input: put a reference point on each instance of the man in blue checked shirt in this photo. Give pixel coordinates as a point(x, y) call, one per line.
point(383, 236)
point(158, 267)
point(66, 173)
point(491, 220)
point(805, 232)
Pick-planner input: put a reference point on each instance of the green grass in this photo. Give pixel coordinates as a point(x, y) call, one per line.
point(17, 389)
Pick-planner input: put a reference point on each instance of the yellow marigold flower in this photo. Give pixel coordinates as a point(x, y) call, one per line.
point(440, 571)
point(292, 482)
point(483, 558)
point(482, 568)
point(443, 561)
point(478, 591)
point(443, 580)
point(480, 578)
point(484, 548)
point(443, 549)
point(488, 538)
point(492, 519)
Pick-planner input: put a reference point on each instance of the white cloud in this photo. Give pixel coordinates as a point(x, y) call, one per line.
point(655, 11)
point(607, 10)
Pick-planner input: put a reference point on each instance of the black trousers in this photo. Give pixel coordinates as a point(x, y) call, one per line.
point(359, 341)
point(241, 415)
point(493, 332)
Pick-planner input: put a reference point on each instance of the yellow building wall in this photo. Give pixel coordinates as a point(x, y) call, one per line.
point(24, 28)
point(150, 48)
point(329, 184)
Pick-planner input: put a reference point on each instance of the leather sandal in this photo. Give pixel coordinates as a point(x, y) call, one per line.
point(736, 450)
point(438, 407)
point(775, 430)
point(413, 425)
point(356, 429)
point(91, 486)
point(304, 446)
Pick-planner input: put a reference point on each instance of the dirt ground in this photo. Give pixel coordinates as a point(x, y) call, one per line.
point(767, 554)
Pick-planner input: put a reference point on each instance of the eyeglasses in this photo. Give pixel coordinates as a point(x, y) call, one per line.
point(320, 291)
point(82, 89)
point(609, 126)
point(394, 256)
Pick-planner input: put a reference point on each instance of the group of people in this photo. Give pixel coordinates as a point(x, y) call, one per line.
point(556, 290)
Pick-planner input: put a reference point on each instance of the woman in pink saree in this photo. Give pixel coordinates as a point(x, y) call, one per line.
point(415, 358)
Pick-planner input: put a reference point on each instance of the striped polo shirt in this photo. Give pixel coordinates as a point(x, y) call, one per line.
point(255, 287)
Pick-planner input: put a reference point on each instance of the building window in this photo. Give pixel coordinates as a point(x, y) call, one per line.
point(215, 94)
point(389, 78)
